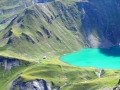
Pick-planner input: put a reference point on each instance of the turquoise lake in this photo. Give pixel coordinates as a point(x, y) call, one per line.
point(90, 57)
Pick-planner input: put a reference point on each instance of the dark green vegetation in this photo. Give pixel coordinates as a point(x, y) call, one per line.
point(53, 29)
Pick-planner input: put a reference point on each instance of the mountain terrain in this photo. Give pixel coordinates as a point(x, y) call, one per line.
point(35, 33)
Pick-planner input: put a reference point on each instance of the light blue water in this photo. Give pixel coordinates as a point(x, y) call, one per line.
point(99, 58)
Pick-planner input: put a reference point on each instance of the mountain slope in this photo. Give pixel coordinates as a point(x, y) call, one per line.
point(42, 29)
point(55, 28)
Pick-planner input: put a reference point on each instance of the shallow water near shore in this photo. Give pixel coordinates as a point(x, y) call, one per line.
point(93, 57)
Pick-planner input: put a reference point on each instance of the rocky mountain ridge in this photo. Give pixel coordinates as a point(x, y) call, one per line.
point(22, 5)
point(82, 19)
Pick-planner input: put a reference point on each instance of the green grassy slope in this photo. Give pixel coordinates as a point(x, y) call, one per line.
point(7, 76)
point(68, 77)
point(9, 8)
point(42, 29)
point(52, 29)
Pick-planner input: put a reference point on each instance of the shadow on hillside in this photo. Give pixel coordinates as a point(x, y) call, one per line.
point(101, 15)
point(44, 1)
point(113, 51)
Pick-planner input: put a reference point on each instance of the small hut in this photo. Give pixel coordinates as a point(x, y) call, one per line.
point(44, 56)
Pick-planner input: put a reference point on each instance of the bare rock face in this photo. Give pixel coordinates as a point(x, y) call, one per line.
point(8, 19)
point(37, 84)
point(8, 63)
point(28, 38)
point(117, 87)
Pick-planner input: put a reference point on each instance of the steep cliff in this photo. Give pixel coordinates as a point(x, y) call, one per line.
point(102, 16)
point(8, 63)
point(37, 84)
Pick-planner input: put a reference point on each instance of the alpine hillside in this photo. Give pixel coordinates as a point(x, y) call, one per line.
point(34, 33)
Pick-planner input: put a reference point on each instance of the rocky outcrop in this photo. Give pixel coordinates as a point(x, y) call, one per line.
point(47, 32)
point(31, 12)
point(99, 73)
point(8, 19)
point(117, 87)
point(8, 34)
point(28, 38)
point(8, 63)
point(40, 33)
point(37, 84)
point(11, 40)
